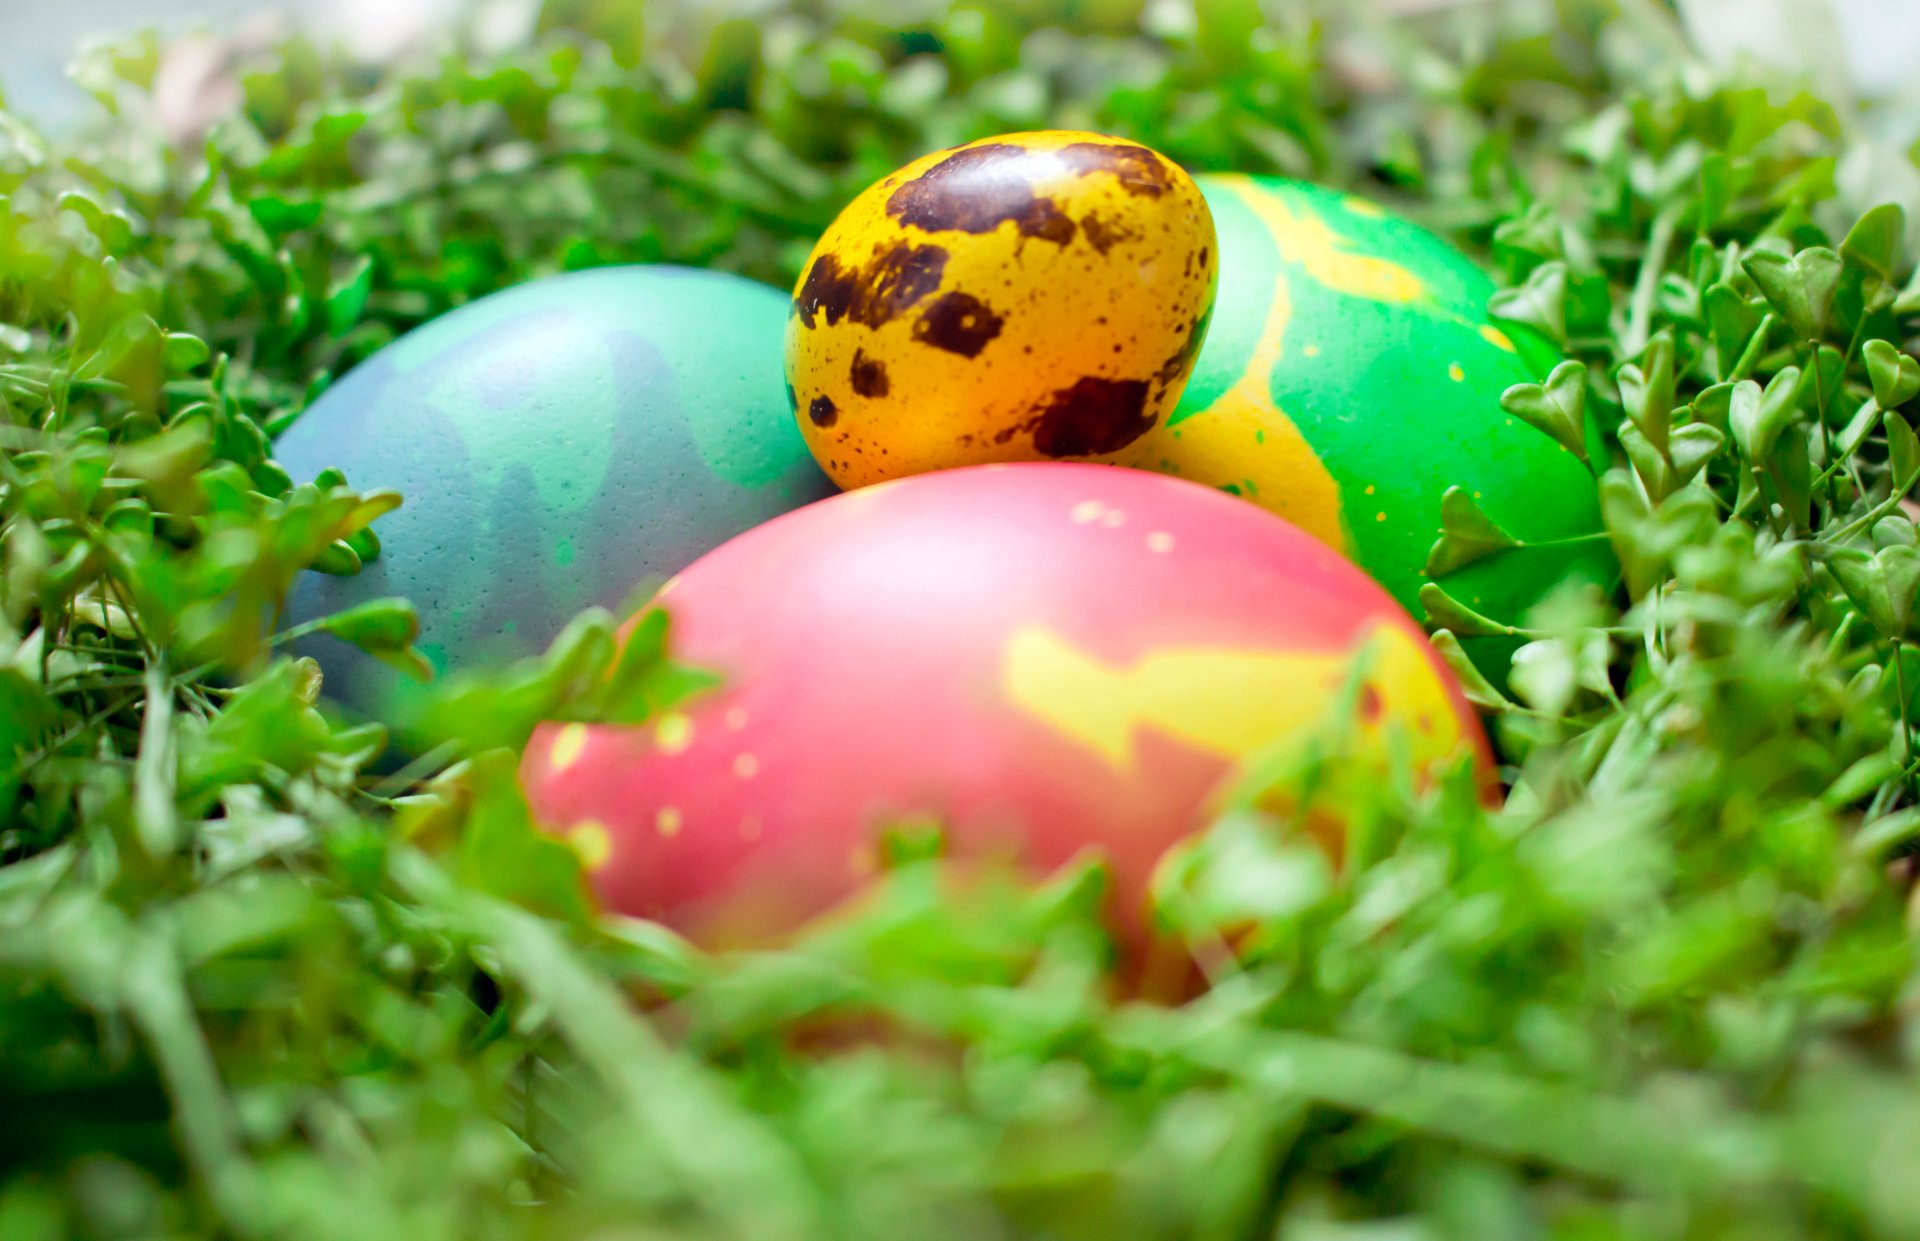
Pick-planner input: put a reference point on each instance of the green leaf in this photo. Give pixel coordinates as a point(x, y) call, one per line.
point(1715, 189)
point(645, 681)
point(376, 625)
point(1903, 448)
point(1895, 375)
point(1473, 683)
point(1791, 469)
point(1733, 320)
point(1649, 463)
point(1443, 611)
point(1882, 585)
point(1540, 303)
point(1757, 416)
point(503, 854)
point(347, 299)
point(1873, 244)
point(1557, 407)
point(183, 352)
point(1714, 407)
point(337, 559)
point(1861, 425)
point(1800, 289)
point(1467, 535)
point(1692, 448)
point(1647, 392)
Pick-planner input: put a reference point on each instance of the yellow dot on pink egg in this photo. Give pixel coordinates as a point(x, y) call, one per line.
point(746, 766)
point(1113, 519)
point(1086, 511)
point(736, 718)
point(592, 842)
point(568, 745)
point(673, 733)
point(667, 822)
point(1160, 541)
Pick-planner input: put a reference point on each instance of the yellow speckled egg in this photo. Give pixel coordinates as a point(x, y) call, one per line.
point(1028, 297)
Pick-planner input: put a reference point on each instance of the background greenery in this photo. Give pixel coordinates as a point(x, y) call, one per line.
point(248, 990)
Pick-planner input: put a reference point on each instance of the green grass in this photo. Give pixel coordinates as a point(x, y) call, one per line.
point(249, 990)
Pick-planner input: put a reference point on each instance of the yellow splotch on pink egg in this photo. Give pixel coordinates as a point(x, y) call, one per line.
point(1045, 658)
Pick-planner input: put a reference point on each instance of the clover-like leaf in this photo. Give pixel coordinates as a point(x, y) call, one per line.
point(1646, 391)
point(1656, 473)
point(1757, 416)
point(1473, 683)
point(1732, 321)
point(1895, 375)
point(1873, 244)
point(1691, 448)
point(337, 559)
point(1540, 303)
point(1861, 425)
point(1467, 535)
point(1893, 530)
point(1882, 585)
point(1557, 407)
point(1445, 612)
point(1545, 676)
point(347, 299)
point(1791, 469)
point(183, 352)
point(1716, 189)
point(1903, 450)
point(376, 625)
point(1800, 289)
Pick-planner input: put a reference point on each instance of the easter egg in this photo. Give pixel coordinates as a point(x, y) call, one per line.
point(557, 443)
point(1043, 657)
point(1351, 375)
point(1028, 297)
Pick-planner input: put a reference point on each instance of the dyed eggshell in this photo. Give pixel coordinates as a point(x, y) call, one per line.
point(1044, 657)
point(1350, 376)
point(557, 443)
point(1028, 297)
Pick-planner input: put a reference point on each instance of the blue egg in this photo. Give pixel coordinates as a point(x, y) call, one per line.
point(557, 443)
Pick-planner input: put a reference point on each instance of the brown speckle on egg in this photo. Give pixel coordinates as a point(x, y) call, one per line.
point(1103, 235)
point(1093, 416)
point(823, 412)
point(1139, 170)
point(1181, 362)
point(868, 376)
point(958, 323)
point(896, 279)
point(976, 190)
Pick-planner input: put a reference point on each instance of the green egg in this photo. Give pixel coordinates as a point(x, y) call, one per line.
point(1350, 376)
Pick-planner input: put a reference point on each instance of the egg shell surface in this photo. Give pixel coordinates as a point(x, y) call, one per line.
point(557, 444)
point(1028, 297)
point(1350, 376)
point(1044, 657)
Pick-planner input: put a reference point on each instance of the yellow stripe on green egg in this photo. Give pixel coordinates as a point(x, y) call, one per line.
point(1349, 377)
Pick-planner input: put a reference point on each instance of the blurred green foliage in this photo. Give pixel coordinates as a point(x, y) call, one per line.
point(250, 990)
